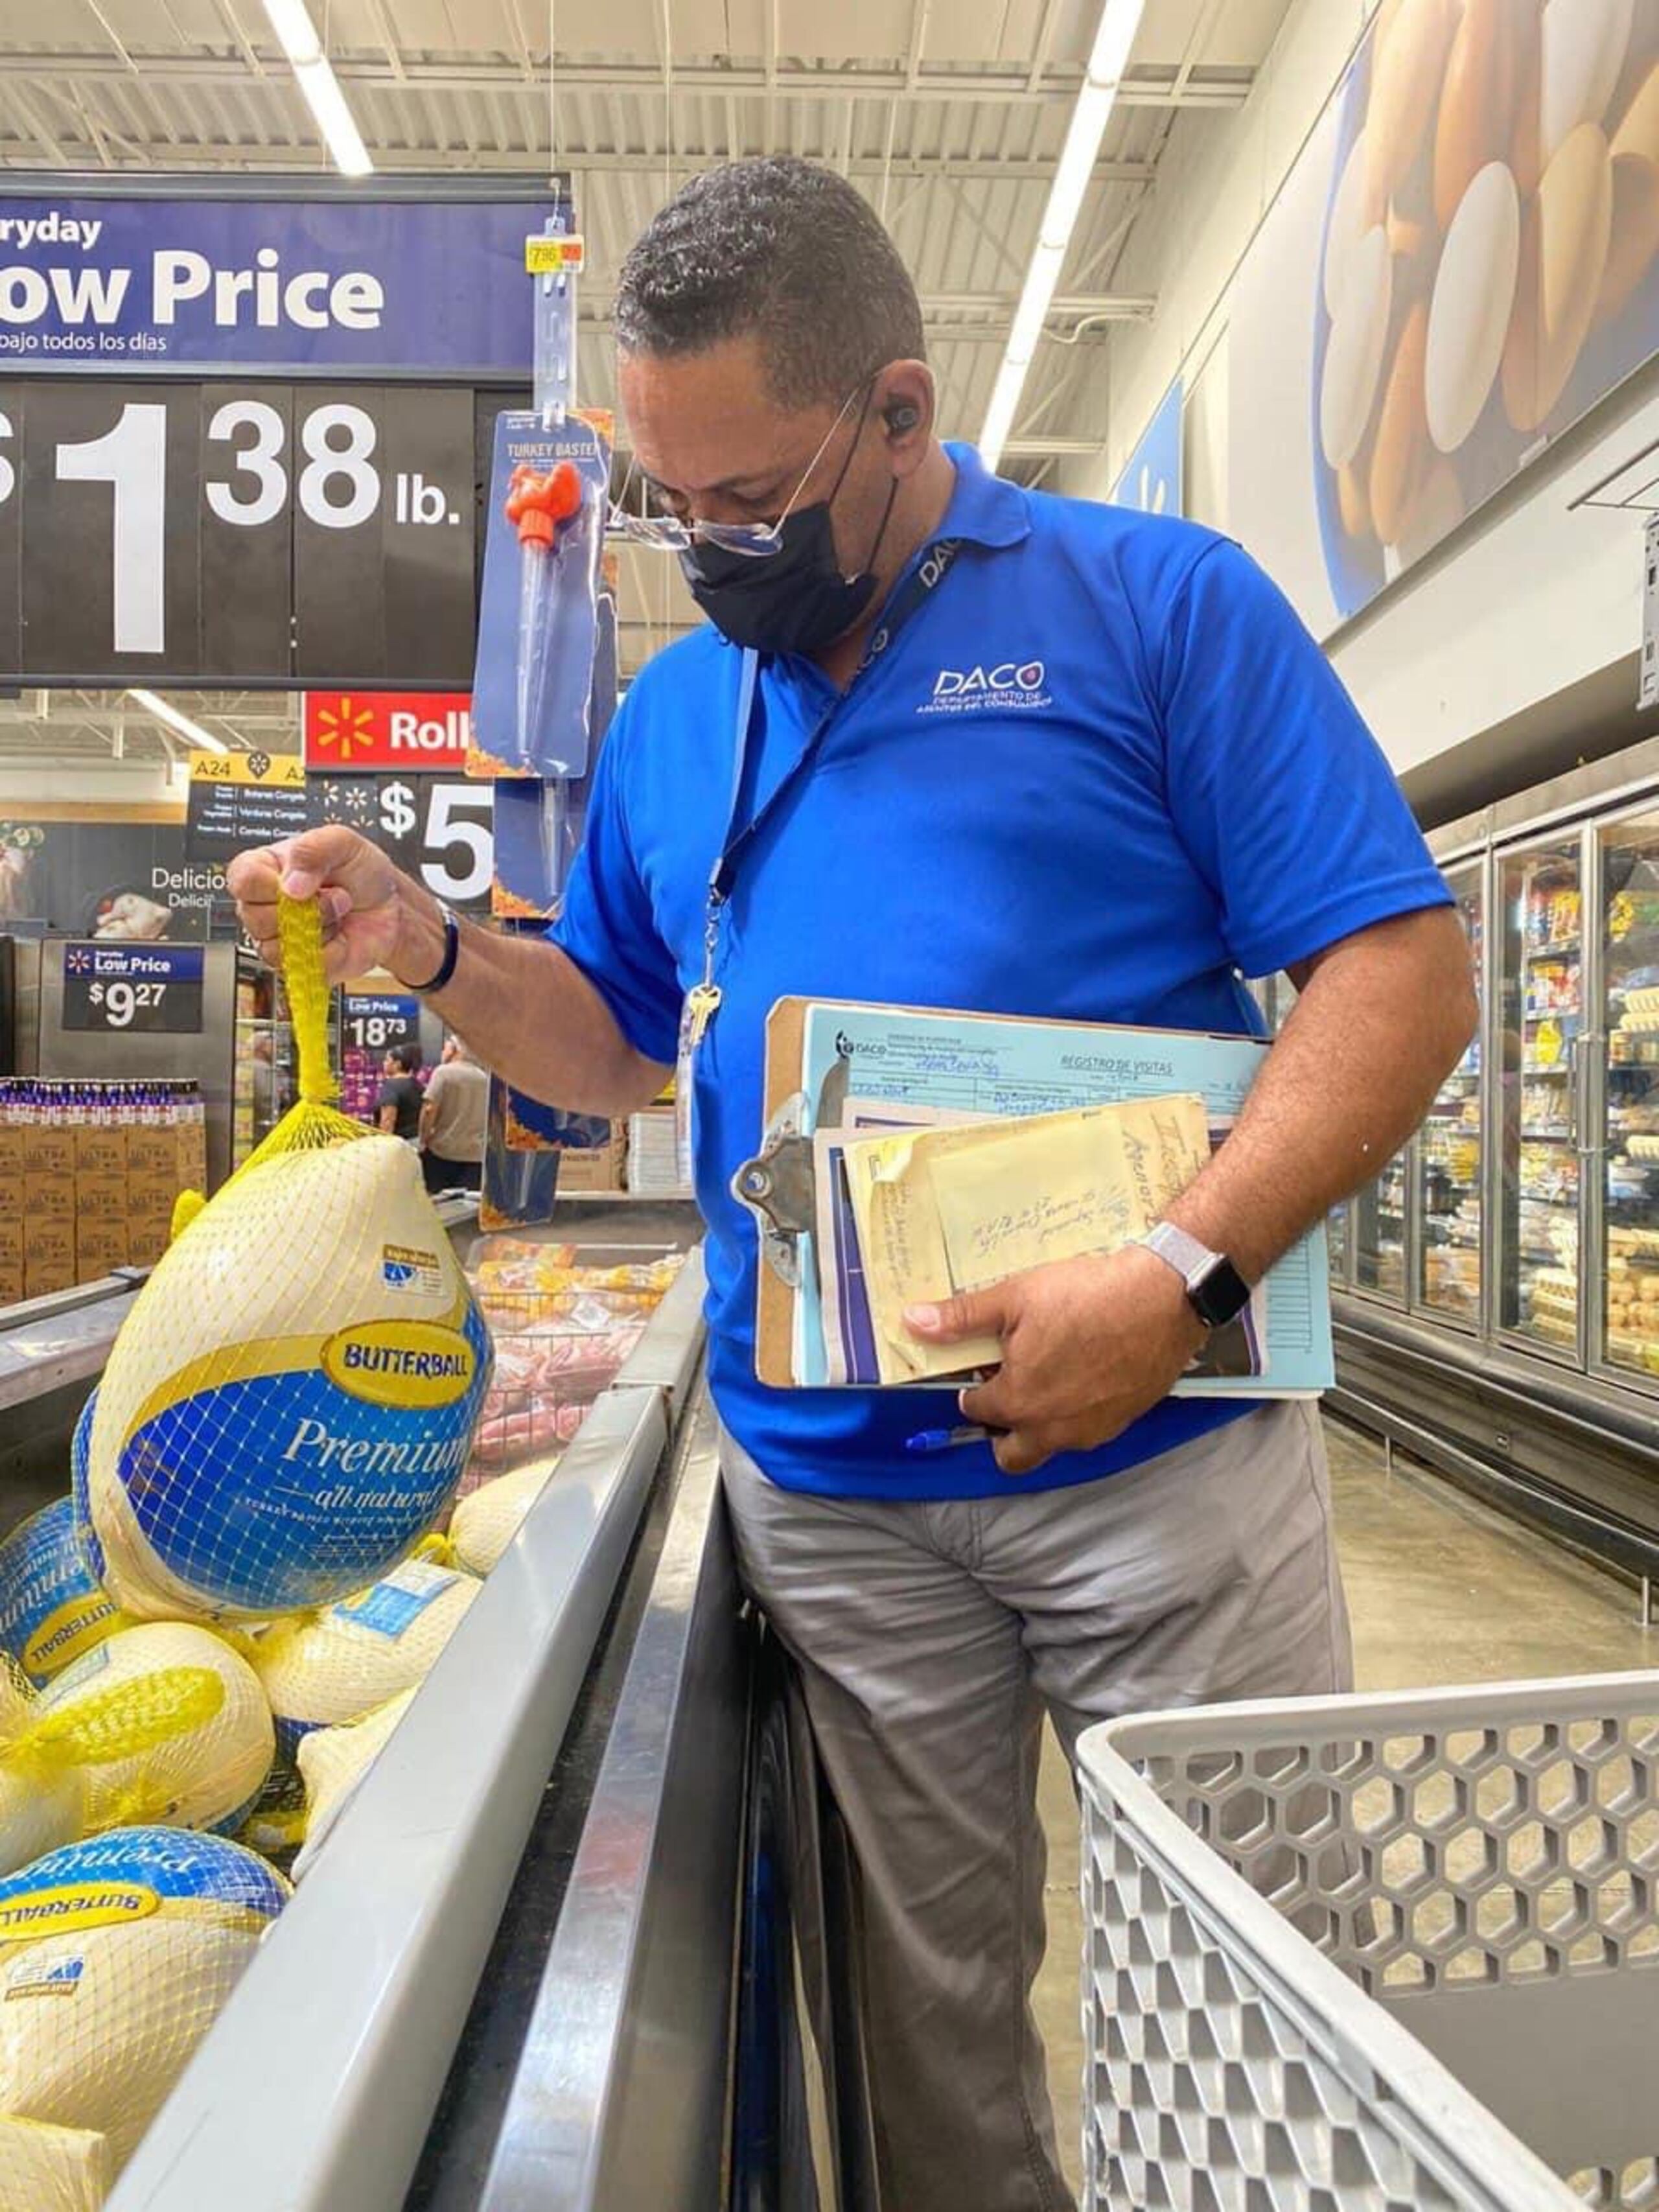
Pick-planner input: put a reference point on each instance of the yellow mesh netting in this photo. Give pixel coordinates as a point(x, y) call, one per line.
point(313, 1120)
point(288, 1405)
point(163, 1723)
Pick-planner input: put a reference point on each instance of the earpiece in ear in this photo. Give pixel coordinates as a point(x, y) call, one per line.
point(901, 417)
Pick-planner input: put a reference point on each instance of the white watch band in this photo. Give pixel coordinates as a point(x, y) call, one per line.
point(1191, 1260)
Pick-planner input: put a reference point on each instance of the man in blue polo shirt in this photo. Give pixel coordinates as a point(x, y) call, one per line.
point(949, 743)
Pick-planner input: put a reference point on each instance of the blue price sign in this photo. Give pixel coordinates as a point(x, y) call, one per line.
point(429, 284)
point(379, 1022)
point(154, 988)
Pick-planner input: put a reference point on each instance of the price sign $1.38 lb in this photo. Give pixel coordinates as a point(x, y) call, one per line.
point(236, 533)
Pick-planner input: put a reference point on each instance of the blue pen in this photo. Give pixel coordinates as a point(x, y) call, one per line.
point(938, 1440)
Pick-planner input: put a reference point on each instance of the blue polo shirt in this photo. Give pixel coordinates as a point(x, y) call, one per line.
point(1101, 774)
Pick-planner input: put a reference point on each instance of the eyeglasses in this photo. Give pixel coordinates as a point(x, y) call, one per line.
point(670, 533)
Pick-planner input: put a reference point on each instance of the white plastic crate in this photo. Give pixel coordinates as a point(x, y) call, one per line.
point(1376, 1953)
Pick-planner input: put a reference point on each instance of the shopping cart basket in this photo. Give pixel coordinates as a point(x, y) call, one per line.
point(1393, 1954)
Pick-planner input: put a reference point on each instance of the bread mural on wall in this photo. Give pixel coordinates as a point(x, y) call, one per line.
point(1490, 260)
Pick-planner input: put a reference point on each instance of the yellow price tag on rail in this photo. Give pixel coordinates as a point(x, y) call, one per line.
point(554, 256)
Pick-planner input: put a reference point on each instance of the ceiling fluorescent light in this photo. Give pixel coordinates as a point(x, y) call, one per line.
point(153, 705)
point(313, 73)
point(1115, 35)
point(999, 415)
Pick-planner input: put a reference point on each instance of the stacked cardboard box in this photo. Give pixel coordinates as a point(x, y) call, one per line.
point(601, 1168)
point(80, 1197)
point(653, 1154)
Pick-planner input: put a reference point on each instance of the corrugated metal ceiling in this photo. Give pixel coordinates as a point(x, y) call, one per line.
point(948, 113)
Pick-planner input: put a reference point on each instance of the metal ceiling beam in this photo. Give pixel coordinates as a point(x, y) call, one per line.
point(49, 141)
point(1065, 307)
point(1148, 87)
point(918, 167)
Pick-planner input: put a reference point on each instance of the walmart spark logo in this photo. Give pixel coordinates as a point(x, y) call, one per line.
point(346, 725)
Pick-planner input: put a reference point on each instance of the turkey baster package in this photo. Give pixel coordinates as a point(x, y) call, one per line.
point(537, 618)
point(290, 1403)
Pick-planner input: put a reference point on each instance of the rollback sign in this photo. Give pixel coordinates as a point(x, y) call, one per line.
point(406, 730)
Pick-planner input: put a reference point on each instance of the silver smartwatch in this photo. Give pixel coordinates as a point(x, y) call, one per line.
point(1215, 1290)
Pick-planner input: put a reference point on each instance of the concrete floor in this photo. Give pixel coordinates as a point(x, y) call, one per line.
point(1440, 1590)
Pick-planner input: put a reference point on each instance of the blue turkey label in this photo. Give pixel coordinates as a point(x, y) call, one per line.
point(390, 1607)
point(276, 1493)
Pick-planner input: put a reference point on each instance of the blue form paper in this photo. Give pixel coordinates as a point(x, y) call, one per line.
point(972, 1064)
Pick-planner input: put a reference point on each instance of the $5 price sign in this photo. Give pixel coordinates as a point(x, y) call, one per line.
point(437, 830)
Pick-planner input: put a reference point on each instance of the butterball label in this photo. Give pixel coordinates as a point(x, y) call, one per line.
point(400, 1363)
point(66, 1907)
point(67, 1632)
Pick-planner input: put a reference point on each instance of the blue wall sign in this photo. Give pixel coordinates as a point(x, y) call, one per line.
point(1151, 476)
point(346, 286)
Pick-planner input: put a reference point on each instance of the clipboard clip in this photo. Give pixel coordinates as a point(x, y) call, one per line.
point(779, 1186)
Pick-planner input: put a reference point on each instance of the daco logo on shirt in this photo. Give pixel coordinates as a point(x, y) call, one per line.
point(1005, 683)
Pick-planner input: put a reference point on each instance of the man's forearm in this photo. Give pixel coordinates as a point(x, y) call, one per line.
point(528, 1012)
point(1382, 1019)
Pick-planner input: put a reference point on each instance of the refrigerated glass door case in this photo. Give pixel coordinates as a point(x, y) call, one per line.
point(1379, 1235)
point(1538, 1044)
point(1622, 1163)
point(1447, 1154)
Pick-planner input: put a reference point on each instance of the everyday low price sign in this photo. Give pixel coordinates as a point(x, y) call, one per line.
point(296, 279)
point(152, 988)
point(378, 1021)
point(405, 730)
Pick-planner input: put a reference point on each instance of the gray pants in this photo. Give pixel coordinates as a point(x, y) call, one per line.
point(930, 1639)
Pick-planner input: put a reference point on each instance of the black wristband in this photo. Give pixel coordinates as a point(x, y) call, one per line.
point(446, 965)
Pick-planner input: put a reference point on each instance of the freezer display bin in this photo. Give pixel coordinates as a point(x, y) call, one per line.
point(551, 1951)
point(1526, 1360)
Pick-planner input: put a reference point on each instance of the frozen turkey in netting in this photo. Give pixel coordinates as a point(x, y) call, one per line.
point(290, 1402)
point(320, 1669)
point(52, 1607)
point(116, 1957)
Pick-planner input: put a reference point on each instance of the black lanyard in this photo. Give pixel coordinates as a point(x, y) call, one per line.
point(912, 595)
point(918, 586)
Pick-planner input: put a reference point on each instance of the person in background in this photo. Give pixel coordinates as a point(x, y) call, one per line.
point(397, 1101)
point(453, 1115)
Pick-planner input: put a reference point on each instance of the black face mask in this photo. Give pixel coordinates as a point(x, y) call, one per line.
point(795, 600)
